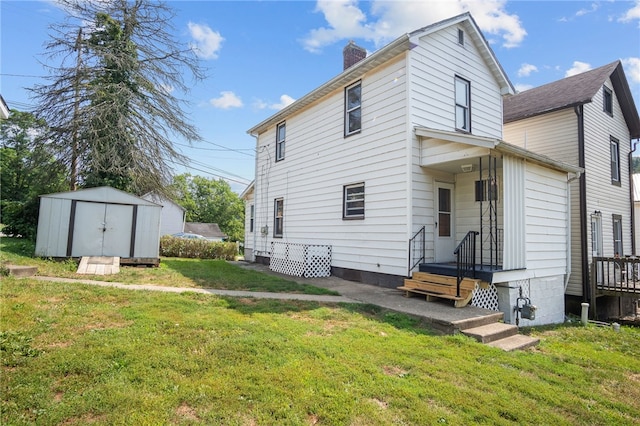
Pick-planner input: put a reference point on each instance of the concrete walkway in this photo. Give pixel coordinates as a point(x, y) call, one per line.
point(441, 315)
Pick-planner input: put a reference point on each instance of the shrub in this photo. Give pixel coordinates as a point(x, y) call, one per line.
point(197, 248)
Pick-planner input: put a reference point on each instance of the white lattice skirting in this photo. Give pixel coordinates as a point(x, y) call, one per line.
point(486, 298)
point(301, 260)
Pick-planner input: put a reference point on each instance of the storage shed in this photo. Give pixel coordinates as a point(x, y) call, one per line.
point(101, 221)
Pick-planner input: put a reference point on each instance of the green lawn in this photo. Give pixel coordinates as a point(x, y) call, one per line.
point(174, 272)
point(75, 355)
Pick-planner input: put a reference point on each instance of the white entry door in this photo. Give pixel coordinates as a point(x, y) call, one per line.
point(444, 225)
point(102, 229)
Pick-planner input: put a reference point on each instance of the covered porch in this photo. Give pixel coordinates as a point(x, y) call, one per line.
point(500, 216)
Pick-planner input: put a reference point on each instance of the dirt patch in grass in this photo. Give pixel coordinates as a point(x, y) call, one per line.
point(391, 370)
point(186, 412)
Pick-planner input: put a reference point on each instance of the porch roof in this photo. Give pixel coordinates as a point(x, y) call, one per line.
point(478, 146)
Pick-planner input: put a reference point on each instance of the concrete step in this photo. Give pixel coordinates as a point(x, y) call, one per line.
point(491, 332)
point(515, 342)
point(22, 271)
point(467, 323)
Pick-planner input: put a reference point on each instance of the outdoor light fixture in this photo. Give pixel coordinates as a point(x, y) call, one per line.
point(466, 168)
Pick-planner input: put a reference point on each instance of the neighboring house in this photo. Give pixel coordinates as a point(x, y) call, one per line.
point(210, 231)
point(587, 120)
point(4, 108)
point(100, 221)
point(173, 214)
point(636, 211)
point(397, 161)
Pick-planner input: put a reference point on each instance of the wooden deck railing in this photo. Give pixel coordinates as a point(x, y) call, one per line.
point(618, 275)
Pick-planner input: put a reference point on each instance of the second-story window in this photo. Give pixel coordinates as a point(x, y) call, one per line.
point(614, 147)
point(281, 132)
point(463, 104)
point(607, 98)
point(251, 217)
point(353, 109)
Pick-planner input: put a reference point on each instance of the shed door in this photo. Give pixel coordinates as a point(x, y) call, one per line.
point(102, 229)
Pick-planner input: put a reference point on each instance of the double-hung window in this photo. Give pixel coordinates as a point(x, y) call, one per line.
point(278, 217)
point(281, 132)
point(353, 201)
point(607, 99)
point(463, 104)
point(251, 217)
point(353, 109)
point(614, 148)
point(617, 235)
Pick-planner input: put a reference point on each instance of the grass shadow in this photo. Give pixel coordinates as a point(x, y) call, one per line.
point(213, 273)
point(401, 321)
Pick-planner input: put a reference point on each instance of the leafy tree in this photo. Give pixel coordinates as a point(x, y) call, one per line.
point(635, 164)
point(110, 102)
point(211, 201)
point(29, 169)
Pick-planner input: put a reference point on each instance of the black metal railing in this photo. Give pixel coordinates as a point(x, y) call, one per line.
point(616, 274)
point(416, 249)
point(466, 258)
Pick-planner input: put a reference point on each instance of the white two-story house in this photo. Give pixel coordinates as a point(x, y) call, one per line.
point(588, 120)
point(398, 164)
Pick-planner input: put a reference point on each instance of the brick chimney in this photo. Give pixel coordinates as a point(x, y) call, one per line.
point(352, 54)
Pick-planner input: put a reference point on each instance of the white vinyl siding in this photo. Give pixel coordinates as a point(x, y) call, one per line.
point(434, 65)
point(546, 220)
point(321, 162)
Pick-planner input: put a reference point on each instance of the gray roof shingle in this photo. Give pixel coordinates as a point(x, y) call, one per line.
point(572, 91)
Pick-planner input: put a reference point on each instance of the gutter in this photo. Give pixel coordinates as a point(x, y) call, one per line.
point(586, 289)
point(631, 198)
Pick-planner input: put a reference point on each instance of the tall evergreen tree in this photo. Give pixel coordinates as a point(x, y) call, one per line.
point(110, 102)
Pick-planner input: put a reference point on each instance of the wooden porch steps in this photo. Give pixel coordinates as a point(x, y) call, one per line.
point(440, 286)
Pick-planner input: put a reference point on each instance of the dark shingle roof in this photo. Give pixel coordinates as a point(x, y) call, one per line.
point(572, 91)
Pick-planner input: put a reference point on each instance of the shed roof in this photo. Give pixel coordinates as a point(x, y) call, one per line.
point(573, 91)
point(104, 194)
point(208, 230)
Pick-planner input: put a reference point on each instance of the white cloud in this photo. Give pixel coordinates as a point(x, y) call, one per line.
point(522, 87)
point(226, 100)
point(207, 43)
point(389, 19)
point(526, 70)
point(582, 12)
point(577, 68)
point(632, 69)
point(285, 101)
point(631, 14)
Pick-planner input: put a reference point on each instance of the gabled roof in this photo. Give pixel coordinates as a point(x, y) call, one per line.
point(208, 230)
point(4, 108)
point(400, 45)
point(248, 190)
point(573, 91)
point(162, 200)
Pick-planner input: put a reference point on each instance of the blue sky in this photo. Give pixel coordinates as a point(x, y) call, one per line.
point(261, 56)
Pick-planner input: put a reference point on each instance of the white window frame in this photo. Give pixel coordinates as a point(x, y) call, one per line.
point(614, 152)
point(463, 104)
point(353, 201)
point(607, 100)
point(252, 211)
point(352, 109)
point(278, 217)
point(618, 247)
point(281, 134)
